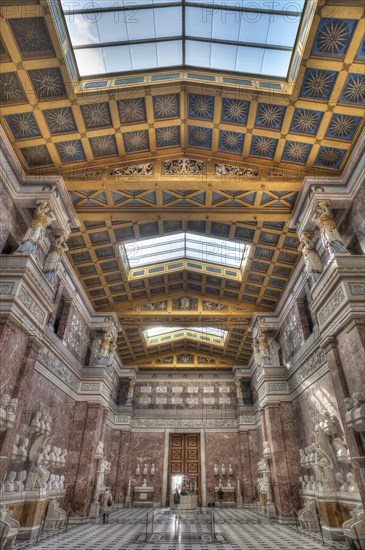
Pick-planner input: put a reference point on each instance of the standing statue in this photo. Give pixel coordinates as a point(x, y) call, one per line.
point(104, 347)
point(330, 236)
point(239, 392)
point(256, 352)
point(58, 247)
point(34, 236)
point(130, 394)
point(264, 346)
point(311, 257)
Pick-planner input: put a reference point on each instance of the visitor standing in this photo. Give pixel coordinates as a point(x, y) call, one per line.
point(220, 496)
point(107, 505)
point(177, 502)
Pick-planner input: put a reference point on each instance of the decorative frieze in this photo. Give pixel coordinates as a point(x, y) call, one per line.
point(146, 389)
point(145, 400)
point(182, 167)
point(161, 389)
point(136, 170)
point(316, 360)
point(357, 289)
point(90, 387)
point(224, 400)
point(208, 389)
point(336, 299)
point(6, 288)
point(208, 400)
point(224, 389)
point(51, 362)
point(31, 305)
point(192, 389)
point(177, 389)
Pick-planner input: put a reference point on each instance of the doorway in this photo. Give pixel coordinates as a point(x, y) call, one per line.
point(184, 464)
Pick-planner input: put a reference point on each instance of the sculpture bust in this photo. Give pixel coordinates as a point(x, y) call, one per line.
point(9, 483)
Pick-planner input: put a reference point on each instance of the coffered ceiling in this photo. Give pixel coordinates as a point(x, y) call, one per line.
point(182, 153)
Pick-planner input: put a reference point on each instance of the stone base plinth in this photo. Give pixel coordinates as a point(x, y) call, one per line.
point(143, 496)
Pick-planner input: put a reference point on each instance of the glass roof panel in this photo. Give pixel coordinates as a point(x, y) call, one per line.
point(214, 331)
point(185, 245)
point(234, 35)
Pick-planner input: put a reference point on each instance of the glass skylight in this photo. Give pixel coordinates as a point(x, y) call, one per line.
point(213, 331)
point(245, 36)
point(185, 245)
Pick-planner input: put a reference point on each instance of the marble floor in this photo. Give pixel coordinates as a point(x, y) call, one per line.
point(235, 529)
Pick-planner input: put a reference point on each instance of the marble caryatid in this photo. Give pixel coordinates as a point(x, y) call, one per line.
point(35, 234)
point(310, 255)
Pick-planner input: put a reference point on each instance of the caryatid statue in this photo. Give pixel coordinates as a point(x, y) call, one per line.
point(310, 255)
point(130, 394)
point(239, 393)
point(34, 236)
point(58, 247)
point(105, 346)
point(330, 236)
point(256, 352)
point(264, 346)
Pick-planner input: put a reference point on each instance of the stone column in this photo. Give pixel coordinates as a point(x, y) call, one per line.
point(285, 467)
point(249, 457)
point(341, 390)
point(87, 431)
point(123, 469)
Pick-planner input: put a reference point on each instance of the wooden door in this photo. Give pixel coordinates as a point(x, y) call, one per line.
point(184, 457)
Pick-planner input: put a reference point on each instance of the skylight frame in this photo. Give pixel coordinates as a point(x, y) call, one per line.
point(226, 253)
point(186, 39)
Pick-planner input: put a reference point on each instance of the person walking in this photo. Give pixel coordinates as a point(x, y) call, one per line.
point(107, 505)
point(220, 496)
point(177, 502)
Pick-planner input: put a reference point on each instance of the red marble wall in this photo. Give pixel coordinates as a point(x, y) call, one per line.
point(147, 448)
point(221, 448)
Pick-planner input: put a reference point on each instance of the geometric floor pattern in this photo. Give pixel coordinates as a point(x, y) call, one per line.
point(235, 529)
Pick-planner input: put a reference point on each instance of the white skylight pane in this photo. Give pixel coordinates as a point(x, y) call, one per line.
point(156, 331)
point(283, 30)
point(168, 22)
point(140, 24)
point(249, 60)
point(117, 58)
point(254, 28)
point(197, 23)
point(82, 31)
point(144, 56)
point(276, 62)
point(223, 57)
point(197, 54)
point(90, 61)
point(214, 331)
point(226, 25)
point(169, 54)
